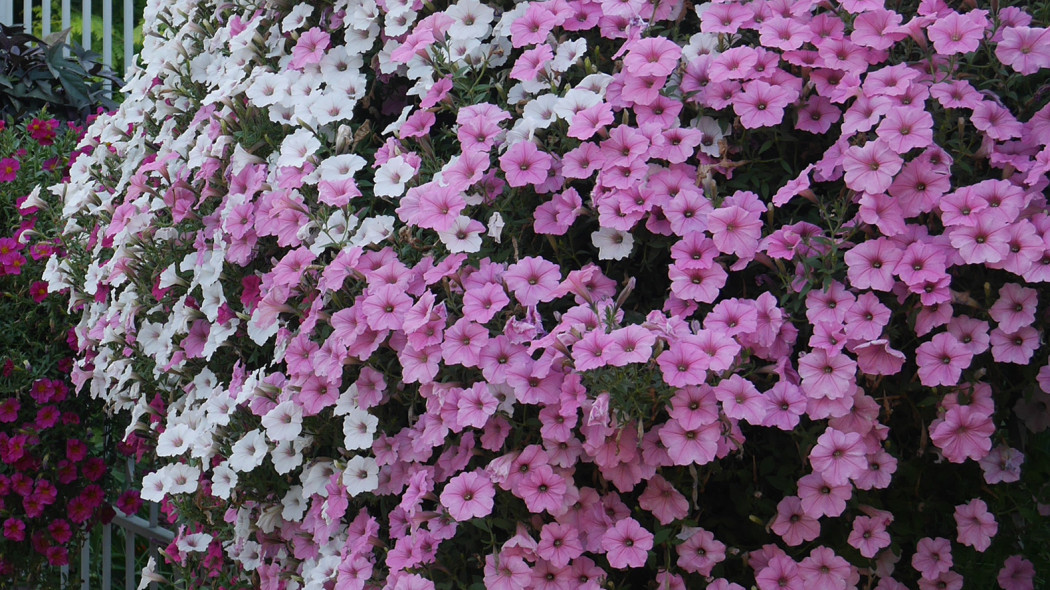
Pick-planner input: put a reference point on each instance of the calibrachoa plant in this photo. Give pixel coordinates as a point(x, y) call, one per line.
point(53, 478)
point(580, 293)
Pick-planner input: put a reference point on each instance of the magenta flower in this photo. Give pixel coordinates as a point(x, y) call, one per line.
point(626, 544)
point(1015, 307)
point(1002, 465)
point(652, 56)
point(683, 364)
point(309, 49)
point(686, 447)
point(665, 502)
point(826, 376)
point(906, 129)
point(9, 170)
point(824, 569)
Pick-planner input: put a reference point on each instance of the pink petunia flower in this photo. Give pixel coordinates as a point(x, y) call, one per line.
point(838, 456)
point(780, 573)
point(958, 33)
point(933, 556)
point(871, 167)
point(1017, 574)
point(975, 525)
point(793, 524)
point(1025, 49)
point(626, 544)
point(761, 104)
point(942, 360)
point(1002, 465)
point(524, 164)
point(559, 544)
point(964, 433)
point(869, 535)
point(468, 495)
point(700, 552)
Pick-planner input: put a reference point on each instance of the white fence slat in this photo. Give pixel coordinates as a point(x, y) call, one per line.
point(27, 15)
point(85, 22)
point(107, 556)
point(107, 39)
point(45, 18)
point(129, 35)
point(85, 567)
point(129, 561)
point(7, 11)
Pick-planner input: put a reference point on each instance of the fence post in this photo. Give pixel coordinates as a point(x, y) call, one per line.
point(107, 40)
point(85, 21)
point(129, 36)
point(7, 11)
point(45, 19)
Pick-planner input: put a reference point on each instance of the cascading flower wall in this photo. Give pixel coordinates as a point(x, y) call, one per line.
point(579, 293)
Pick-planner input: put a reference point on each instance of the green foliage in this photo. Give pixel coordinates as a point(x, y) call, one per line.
point(65, 78)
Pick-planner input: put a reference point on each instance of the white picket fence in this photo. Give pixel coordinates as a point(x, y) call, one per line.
point(7, 17)
point(130, 528)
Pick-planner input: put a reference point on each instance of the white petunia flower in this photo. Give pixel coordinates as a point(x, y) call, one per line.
point(496, 225)
point(249, 452)
point(284, 421)
point(574, 101)
point(316, 477)
point(175, 440)
point(297, 147)
point(567, 54)
point(195, 543)
point(293, 504)
point(286, 457)
point(361, 475)
point(612, 244)
point(182, 478)
point(223, 481)
point(463, 236)
point(373, 230)
point(297, 17)
point(359, 428)
point(391, 177)
point(341, 167)
point(472, 19)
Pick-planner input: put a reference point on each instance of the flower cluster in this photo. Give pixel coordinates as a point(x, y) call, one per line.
point(53, 479)
point(577, 293)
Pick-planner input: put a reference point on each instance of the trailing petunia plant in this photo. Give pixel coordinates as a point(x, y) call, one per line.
point(579, 293)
